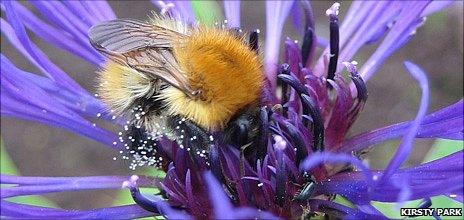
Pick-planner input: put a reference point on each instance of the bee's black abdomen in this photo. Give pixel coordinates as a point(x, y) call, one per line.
point(190, 136)
point(140, 146)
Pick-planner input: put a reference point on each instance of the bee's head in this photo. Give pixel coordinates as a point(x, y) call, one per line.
point(225, 71)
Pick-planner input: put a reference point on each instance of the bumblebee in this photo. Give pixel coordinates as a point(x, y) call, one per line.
point(184, 83)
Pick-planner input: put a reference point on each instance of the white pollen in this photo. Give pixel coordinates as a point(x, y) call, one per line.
point(113, 117)
point(333, 10)
point(134, 178)
point(114, 143)
point(125, 184)
point(260, 184)
point(99, 114)
point(453, 195)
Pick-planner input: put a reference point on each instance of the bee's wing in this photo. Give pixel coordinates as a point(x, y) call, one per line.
point(142, 46)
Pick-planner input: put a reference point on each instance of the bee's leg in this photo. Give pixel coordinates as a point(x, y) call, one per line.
point(193, 138)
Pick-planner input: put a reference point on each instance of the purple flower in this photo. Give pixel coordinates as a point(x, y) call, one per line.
point(304, 158)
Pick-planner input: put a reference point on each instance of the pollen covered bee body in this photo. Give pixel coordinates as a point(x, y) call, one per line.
point(181, 82)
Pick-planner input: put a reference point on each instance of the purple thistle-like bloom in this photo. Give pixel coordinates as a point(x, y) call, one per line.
point(304, 158)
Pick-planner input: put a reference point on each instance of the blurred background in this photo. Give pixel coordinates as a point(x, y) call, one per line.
point(39, 150)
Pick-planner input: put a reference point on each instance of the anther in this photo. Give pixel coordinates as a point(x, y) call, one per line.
point(307, 47)
point(138, 198)
point(293, 82)
point(357, 80)
point(298, 142)
point(309, 108)
point(263, 133)
point(253, 40)
point(284, 70)
point(332, 12)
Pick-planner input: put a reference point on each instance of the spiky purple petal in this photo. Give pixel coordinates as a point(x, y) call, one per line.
point(406, 144)
point(444, 123)
point(276, 13)
point(232, 13)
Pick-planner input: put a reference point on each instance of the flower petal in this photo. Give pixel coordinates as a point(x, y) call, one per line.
point(56, 36)
point(340, 211)
point(181, 10)
point(15, 210)
point(222, 207)
point(406, 143)
point(406, 23)
point(16, 33)
point(232, 13)
point(276, 13)
point(444, 123)
point(436, 6)
point(441, 176)
point(42, 185)
point(23, 99)
point(326, 157)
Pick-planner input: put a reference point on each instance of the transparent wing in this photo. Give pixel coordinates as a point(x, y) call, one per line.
point(142, 46)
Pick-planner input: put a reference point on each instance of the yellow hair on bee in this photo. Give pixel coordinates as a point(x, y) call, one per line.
point(121, 85)
point(169, 23)
point(224, 69)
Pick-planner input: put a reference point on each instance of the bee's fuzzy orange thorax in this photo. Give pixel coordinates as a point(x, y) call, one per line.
point(224, 69)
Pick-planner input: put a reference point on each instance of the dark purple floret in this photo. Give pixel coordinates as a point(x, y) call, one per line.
point(334, 41)
point(301, 159)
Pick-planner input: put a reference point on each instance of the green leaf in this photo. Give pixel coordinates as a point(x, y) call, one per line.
point(343, 201)
point(207, 12)
point(440, 149)
point(7, 167)
point(443, 148)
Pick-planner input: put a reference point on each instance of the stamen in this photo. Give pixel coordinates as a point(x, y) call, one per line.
point(298, 142)
point(254, 40)
point(280, 145)
point(165, 8)
point(293, 82)
point(261, 150)
point(138, 198)
point(284, 70)
point(357, 80)
point(309, 108)
point(332, 12)
point(307, 46)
